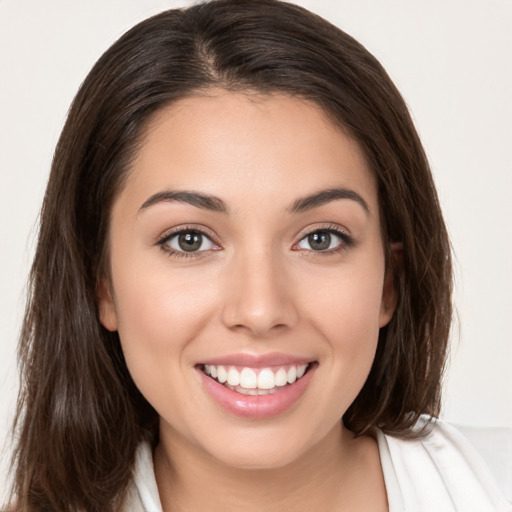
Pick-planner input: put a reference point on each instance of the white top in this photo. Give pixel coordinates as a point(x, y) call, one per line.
point(442, 472)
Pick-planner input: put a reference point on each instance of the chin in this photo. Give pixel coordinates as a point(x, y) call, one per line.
point(263, 450)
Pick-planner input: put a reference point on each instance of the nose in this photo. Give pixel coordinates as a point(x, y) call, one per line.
point(259, 296)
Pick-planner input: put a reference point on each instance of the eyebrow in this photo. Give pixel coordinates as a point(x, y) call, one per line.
point(204, 201)
point(215, 204)
point(326, 196)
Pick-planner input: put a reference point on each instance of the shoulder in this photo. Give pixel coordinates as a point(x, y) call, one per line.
point(443, 471)
point(494, 445)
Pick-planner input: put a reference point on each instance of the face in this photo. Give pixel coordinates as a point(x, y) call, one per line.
point(247, 275)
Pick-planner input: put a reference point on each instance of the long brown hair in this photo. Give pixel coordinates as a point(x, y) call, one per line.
point(80, 416)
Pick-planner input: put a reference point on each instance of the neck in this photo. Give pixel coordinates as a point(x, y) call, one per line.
point(334, 473)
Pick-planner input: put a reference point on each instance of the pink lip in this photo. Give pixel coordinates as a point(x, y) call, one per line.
point(256, 407)
point(257, 361)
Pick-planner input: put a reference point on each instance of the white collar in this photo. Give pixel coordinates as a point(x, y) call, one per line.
point(441, 472)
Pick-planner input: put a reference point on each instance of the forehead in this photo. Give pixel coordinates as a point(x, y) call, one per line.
point(270, 148)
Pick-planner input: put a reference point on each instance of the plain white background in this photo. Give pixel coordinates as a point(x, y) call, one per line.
point(452, 60)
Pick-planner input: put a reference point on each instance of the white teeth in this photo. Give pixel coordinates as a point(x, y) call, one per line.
point(249, 381)
point(281, 378)
point(301, 370)
point(252, 392)
point(233, 377)
point(222, 374)
point(292, 374)
point(266, 379)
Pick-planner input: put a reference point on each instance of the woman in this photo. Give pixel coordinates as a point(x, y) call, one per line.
point(242, 245)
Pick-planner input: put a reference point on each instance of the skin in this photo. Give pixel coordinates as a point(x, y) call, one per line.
point(258, 288)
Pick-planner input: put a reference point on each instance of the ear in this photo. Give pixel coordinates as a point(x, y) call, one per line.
point(389, 292)
point(106, 305)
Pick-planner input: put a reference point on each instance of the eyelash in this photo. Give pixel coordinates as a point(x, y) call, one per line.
point(346, 241)
point(167, 237)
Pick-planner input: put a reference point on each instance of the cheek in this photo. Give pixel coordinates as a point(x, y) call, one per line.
point(353, 338)
point(154, 297)
point(345, 310)
point(159, 313)
point(346, 303)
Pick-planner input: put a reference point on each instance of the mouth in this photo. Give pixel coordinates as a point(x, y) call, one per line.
point(255, 381)
point(256, 391)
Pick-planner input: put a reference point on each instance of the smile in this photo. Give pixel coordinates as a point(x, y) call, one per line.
point(255, 381)
point(256, 387)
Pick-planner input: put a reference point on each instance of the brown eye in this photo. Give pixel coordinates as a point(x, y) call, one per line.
point(320, 240)
point(323, 240)
point(189, 241)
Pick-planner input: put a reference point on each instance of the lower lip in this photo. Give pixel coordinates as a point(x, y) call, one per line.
point(257, 406)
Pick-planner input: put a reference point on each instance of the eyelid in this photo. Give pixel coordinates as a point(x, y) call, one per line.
point(343, 233)
point(327, 226)
point(185, 228)
point(347, 239)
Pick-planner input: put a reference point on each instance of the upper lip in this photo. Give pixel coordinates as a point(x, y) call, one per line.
point(257, 360)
